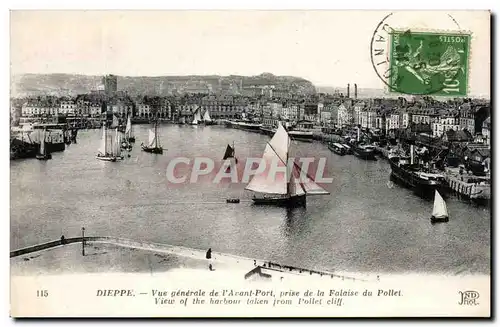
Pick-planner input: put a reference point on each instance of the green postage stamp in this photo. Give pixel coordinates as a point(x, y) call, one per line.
point(429, 63)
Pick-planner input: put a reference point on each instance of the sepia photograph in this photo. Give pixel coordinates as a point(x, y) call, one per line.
point(250, 163)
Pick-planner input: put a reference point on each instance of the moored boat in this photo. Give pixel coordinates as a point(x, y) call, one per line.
point(414, 177)
point(206, 118)
point(109, 150)
point(348, 149)
point(129, 135)
point(337, 148)
point(301, 135)
point(364, 151)
point(439, 210)
point(292, 189)
point(43, 154)
point(153, 142)
point(267, 130)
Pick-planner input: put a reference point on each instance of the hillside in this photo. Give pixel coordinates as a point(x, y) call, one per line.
point(64, 84)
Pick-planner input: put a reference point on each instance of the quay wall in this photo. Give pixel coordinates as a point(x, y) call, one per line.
point(469, 190)
point(182, 251)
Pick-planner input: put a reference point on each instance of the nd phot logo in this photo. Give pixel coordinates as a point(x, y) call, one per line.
point(468, 298)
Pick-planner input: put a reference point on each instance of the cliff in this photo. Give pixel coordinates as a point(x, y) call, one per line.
point(68, 84)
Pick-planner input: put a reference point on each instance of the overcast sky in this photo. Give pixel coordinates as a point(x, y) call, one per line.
point(329, 48)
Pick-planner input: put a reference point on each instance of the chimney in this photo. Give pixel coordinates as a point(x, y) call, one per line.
point(348, 90)
point(355, 91)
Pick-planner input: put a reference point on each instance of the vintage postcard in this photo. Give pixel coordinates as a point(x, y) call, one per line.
point(250, 164)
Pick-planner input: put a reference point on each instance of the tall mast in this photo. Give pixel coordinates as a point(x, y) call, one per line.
point(156, 133)
point(286, 165)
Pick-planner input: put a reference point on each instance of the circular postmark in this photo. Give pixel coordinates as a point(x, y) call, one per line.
point(424, 56)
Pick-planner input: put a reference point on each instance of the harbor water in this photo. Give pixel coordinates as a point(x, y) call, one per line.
point(366, 224)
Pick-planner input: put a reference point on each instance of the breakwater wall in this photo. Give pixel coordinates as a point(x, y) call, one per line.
point(181, 251)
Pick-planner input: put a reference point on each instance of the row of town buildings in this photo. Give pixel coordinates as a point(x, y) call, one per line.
point(434, 117)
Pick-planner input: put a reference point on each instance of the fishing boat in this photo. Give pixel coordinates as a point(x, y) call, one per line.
point(364, 151)
point(337, 148)
point(293, 188)
point(129, 135)
point(267, 130)
point(439, 211)
point(153, 142)
point(301, 135)
point(109, 150)
point(43, 154)
point(196, 118)
point(206, 118)
point(347, 148)
point(230, 157)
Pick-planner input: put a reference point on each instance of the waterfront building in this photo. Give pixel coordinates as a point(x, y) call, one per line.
point(143, 110)
point(368, 117)
point(405, 118)
point(68, 107)
point(345, 114)
point(422, 115)
point(95, 109)
point(467, 118)
point(444, 121)
point(37, 108)
point(358, 108)
point(486, 130)
point(325, 116)
point(392, 121)
point(121, 109)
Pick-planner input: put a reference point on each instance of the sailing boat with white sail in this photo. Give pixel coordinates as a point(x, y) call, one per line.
point(153, 141)
point(196, 117)
point(206, 118)
point(126, 143)
point(439, 211)
point(229, 157)
point(43, 153)
point(110, 149)
point(129, 135)
point(292, 189)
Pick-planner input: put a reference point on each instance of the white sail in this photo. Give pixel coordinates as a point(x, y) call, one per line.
point(117, 144)
point(104, 141)
point(42, 143)
point(295, 188)
point(128, 128)
point(194, 122)
point(197, 115)
point(206, 116)
point(276, 152)
point(115, 122)
point(152, 139)
point(439, 210)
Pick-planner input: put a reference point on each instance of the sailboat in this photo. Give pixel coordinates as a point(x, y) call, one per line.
point(229, 155)
point(43, 154)
point(290, 191)
point(439, 211)
point(111, 151)
point(154, 142)
point(128, 131)
point(206, 118)
point(196, 117)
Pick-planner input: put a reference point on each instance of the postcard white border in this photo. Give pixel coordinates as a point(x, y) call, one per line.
point(145, 4)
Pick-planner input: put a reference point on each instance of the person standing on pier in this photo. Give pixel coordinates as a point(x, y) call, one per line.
point(209, 258)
